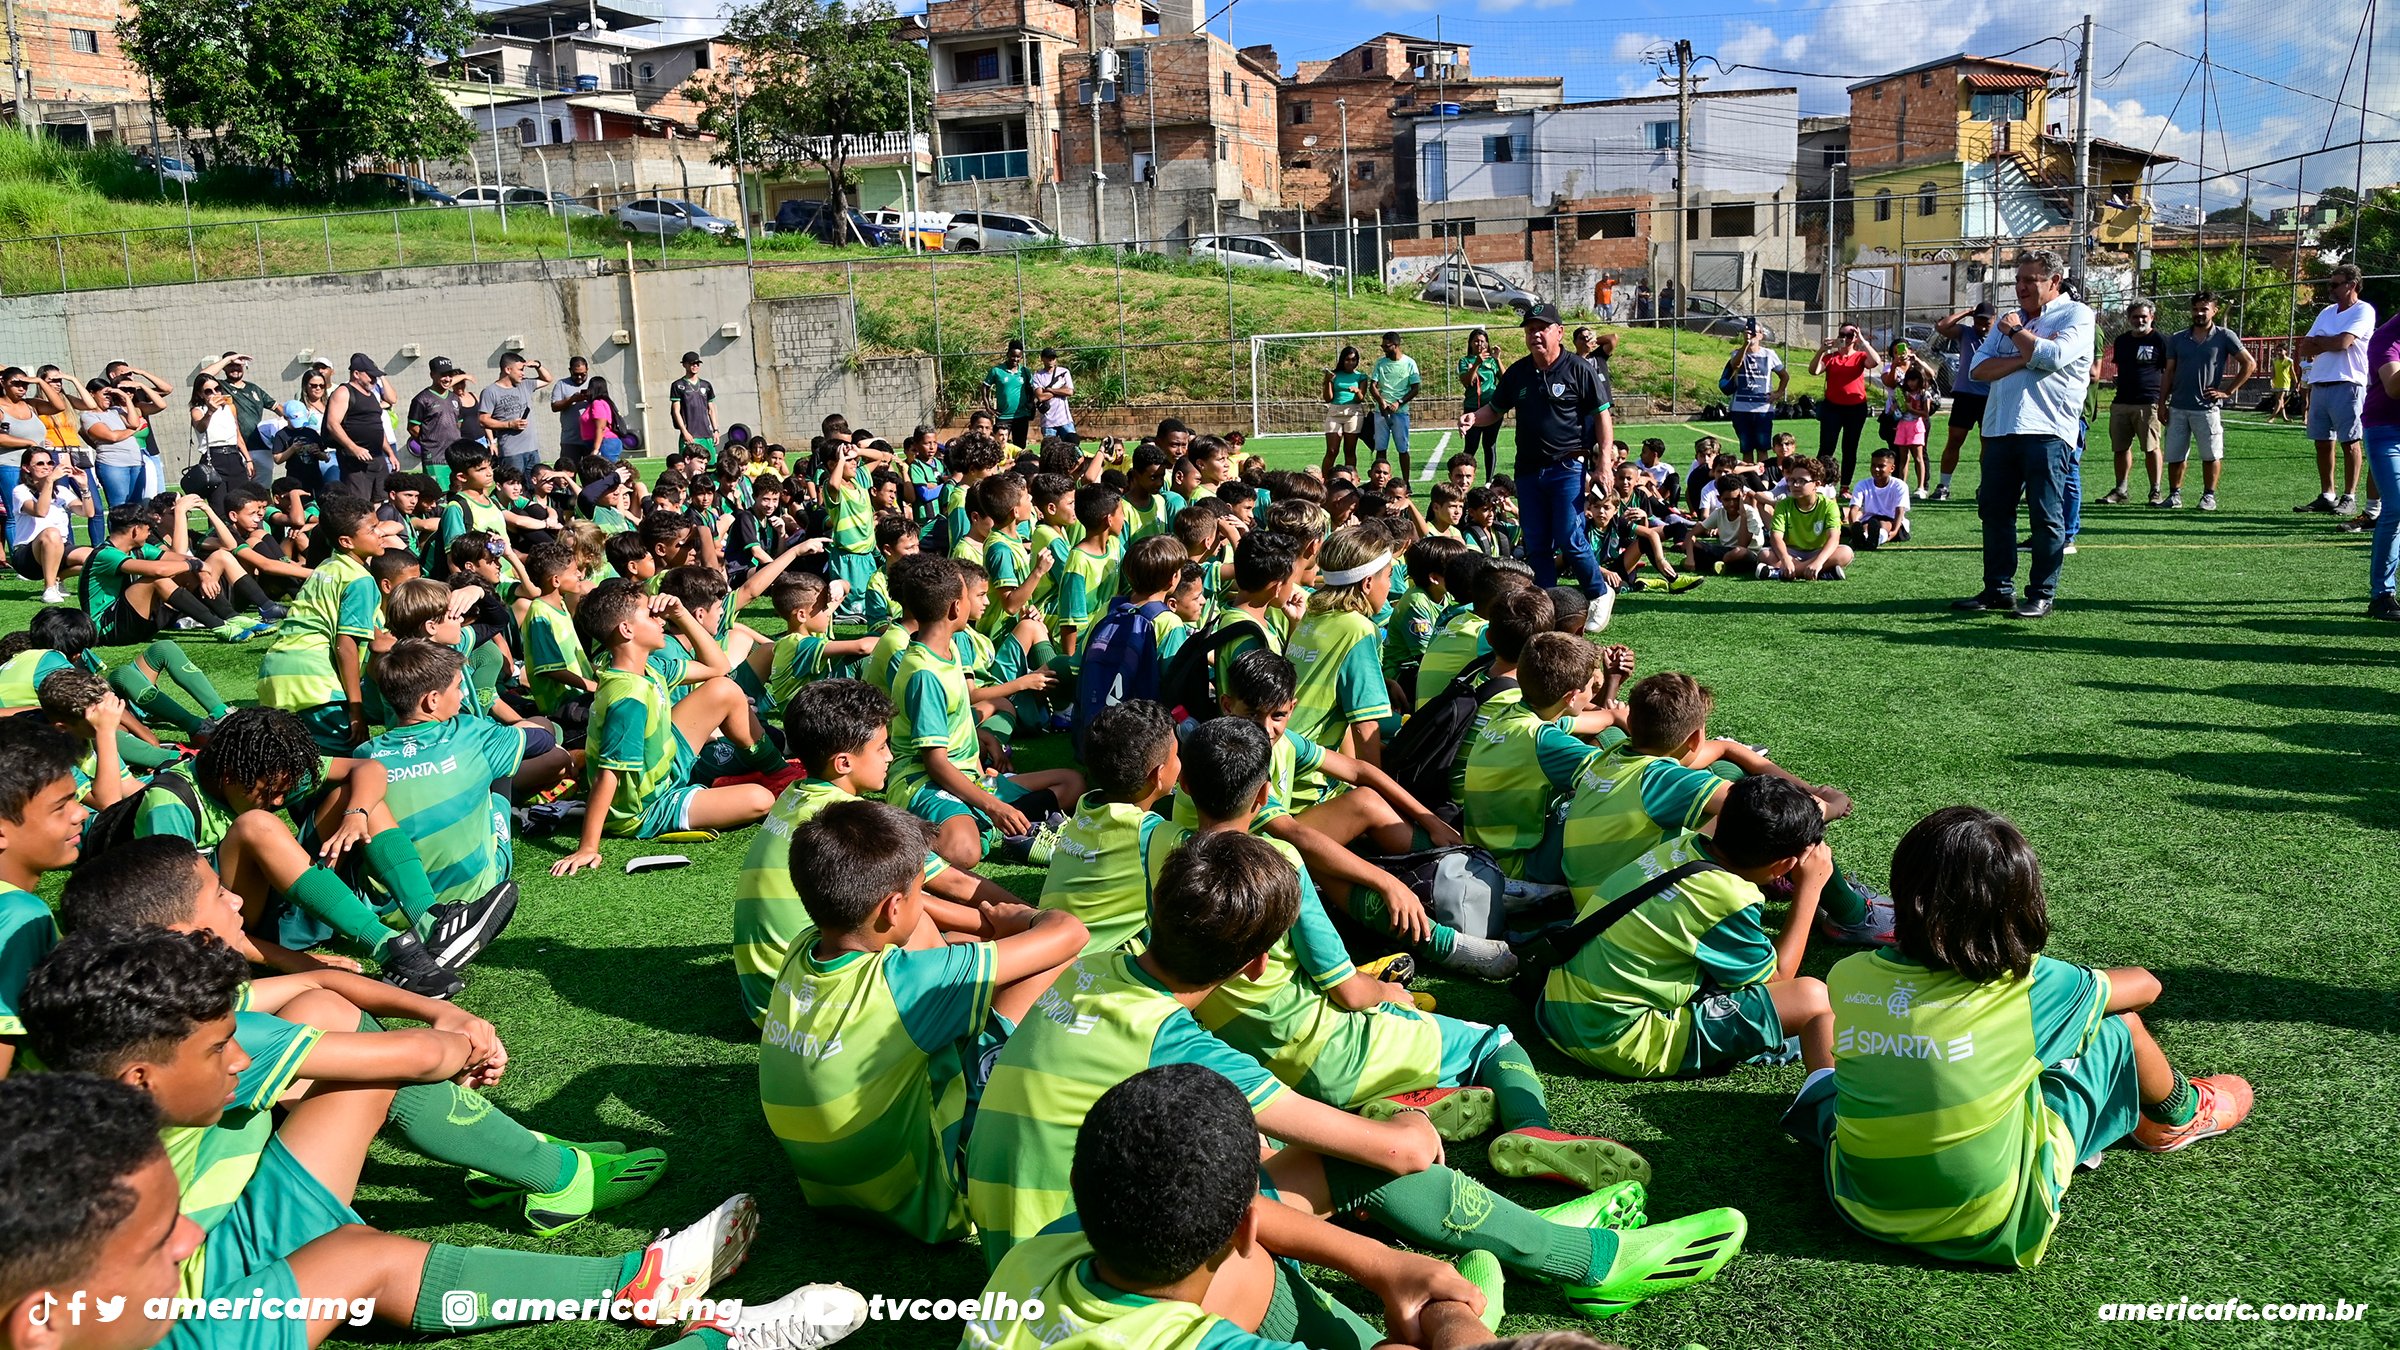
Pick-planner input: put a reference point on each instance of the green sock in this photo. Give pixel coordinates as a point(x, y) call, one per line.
point(1516, 1088)
point(323, 894)
point(1044, 653)
point(165, 655)
point(492, 1273)
point(1840, 901)
point(2182, 1103)
point(392, 859)
point(1368, 907)
point(1029, 711)
point(1444, 938)
point(151, 701)
point(454, 1124)
point(763, 757)
point(1452, 1212)
point(141, 756)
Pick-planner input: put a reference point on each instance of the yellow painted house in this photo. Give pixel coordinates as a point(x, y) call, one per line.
point(1965, 152)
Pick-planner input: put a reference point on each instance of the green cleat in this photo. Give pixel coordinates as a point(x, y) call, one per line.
point(1660, 1260)
point(1584, 1160)
point(484, 1191)
point(601, 1181)
point(1482, 1269)
point(1620, 1206)
point(1457, 1113)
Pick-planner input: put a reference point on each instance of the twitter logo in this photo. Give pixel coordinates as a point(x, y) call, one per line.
point(110, 1309)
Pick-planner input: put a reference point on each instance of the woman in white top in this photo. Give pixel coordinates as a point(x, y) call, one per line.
point(217, 434)
point(51, 490)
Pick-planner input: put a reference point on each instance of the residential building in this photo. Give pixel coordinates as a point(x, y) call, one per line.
point(70, 76)
point(1966, 153)
point(1383, 81)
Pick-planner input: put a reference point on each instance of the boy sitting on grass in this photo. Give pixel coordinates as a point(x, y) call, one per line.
point(1520, 763)
point(1087, 576)
point(1471, 582)
point(557, 671)
point(1416, 610)
point(1096, 861)
point(839, 732)
point(1878, 510)
point(1804, 541)
point(130, 582)
point(880, 1029)
point(1970, 1075)
point(311, 667)
point(1169, 1224)
point(80, 704)
point(805, 652)
point(1684, 978)
point(63, 637)
point(638, 757)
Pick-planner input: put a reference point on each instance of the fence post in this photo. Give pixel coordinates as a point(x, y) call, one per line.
point(191, 241)
point(258, 238)
point(1124, 358)
point(399, 249)
point(474, 255)
point(1017, 256)
point(125, 242)
point(850, 274)
point(59, 242)
point(327, 222)
point(933, 274)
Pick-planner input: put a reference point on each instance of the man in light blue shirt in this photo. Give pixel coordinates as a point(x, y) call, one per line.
point(2038, 363)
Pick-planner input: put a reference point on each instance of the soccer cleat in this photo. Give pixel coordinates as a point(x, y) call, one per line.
point(271, 612)
point(1662, 1259)
point(1635, 585)
point(52, 595)
point(1424, 1002)
point(1034, 847)
point(240, 630)
point(1688, 581)
point(1597, 614)
point(1482, 957)
point(2208, 501)
point(457, 932)
point(1585, 1160)
point(681, 1266)
point(407, 965)
point(1787, 1052)
point(1873, 929)
point(485, 1190)
point(1399, 968)
point(2321, 504)
point(601, 1181)
point(1457, 1113)
point(2225, 1101)
point(807, 1318)
point(1624, 1205)
point(1482, 1269)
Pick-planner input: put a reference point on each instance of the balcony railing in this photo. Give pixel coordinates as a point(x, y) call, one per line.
point(879, 144)
point(997, 164)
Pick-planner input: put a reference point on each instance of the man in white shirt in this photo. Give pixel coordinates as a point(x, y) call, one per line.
point(1052, 388)
point(2334, 359)
point(2038, 362)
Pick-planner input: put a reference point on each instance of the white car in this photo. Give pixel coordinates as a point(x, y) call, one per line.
point(527, 199)
point(1256, 250)
point(971, 231)
point(928, 226)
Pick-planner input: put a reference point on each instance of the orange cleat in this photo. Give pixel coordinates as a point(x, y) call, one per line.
point(2225, 1101)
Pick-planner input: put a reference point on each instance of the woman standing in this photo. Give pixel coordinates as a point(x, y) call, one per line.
point(217, 435)
point(1478, 376)
point(1345, 410)
point(304, 416)
point(114, 430)
point(1844, 361)
point(600, 420)
point(354, 422)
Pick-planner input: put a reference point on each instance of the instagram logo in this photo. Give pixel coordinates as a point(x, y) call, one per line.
point(458, 1308)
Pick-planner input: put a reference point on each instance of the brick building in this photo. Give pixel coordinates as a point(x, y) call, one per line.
point(70, 75)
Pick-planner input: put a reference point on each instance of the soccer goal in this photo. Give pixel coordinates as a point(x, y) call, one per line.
point(1287, 373)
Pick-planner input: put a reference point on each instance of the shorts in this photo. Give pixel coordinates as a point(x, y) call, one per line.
point(669, 811)
point(937, 807)
point(1718, 1031)
point(706, 444)
point(122, 625)
point(282, 1209)
point(1008, 658)
point(22, 561)
point(2195, 433)
point(1345, 419)
point(2333, 411)
point(855, 570)
point(1966, 410)
point(329, 726)
point(2132, 422)
point(274, 1281)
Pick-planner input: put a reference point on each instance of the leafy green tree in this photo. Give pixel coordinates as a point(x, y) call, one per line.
point(814, 73)
point(2378, 247)
point(2254, 298)
point(312, 86)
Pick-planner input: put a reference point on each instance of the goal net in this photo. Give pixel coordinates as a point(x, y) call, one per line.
point(1287, 374)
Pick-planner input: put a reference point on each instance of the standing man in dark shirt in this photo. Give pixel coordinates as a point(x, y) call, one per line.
point(354, 423)
point(433, 418)
point(567, 398)
point(1562, 407)
point(2140, 354)
point(691, 402)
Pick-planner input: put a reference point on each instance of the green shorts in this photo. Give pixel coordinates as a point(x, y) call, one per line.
point(250, 1332)
point(329, 726)
point(1008, 658)
point(439, 473)
point(703, 443)
point(282, 1209)
point(2097, 1093)
point(935, 806)
point(1729, 1027)
point(668, 812)
point(857, 569)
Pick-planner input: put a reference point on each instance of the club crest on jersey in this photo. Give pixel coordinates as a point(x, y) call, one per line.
point(1902, 997)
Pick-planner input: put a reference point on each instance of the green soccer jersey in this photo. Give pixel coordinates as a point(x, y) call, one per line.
point(954, 510)
point(104, 578)
point(21, 677)
point(937, 713)
point(1516, 767)
point(1096, 871)
point(552, 647)
point(768, 919)
point(461, 513)
point(1288, 758)
point(611, 520)
point(1614, 1004)
point(215, 1163)
point(27, 933)
point(1942, 1137)
point(1252, 636)
point(883, 659)
point(163, 812)
point(633, 735)
point(853, 512)
point(1103, 1021)
point(797, 659)
point(1411, 627)
point(1455, 644)
point(338, 600)
point(1341, 684)
point(1086, 580)
point(1008, 392)
point(1007, 561)
point(437, 781)
point(1081, 1311)
point(1156, 518)
point(1805, 529)
point(862, 1074)
point(1624, 804)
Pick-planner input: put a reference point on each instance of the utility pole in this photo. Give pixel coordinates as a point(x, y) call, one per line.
point(1683, 138)
point(1100, 82)
point(2079, 244)
point(1349, 222)
point(908, 158)
point(20, 82)
point(741, 160)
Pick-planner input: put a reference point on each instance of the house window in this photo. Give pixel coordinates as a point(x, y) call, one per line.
point(1836, 156)
point(1925, 79)
point(649, 73)
point(1245, 93)
point(1509, 149)
point(1659, 135)
point(1927, 195)
point(527, 132)
point(85, 40)
point(1229, 84)
point(1733, 222)
point(968, 67)
point(1405, 101)
point(1303, 114)
point(1604, 225)
point(1224, 148)
point(1366, 171)
point(1997, 107)
point(557, 132)
point(1883, 204)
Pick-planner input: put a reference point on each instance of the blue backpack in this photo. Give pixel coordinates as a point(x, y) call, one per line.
point(1120, 661)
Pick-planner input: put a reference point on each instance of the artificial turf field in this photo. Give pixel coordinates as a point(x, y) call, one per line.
point(2200, 743)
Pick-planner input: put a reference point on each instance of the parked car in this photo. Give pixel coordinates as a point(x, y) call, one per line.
point(1256, 250)
point(1703, 315)
point(173, 170)
point(970, 231)
point(928, 226)
point(809, 217)
point(667, 217)
point(528, 198)
point(399, 188)
point(1475, 288)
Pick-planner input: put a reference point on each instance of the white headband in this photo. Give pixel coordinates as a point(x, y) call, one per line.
point(1351, 576)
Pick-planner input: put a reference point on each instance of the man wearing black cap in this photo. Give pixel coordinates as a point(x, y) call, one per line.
point(433, 416)
point(354, 423)
point(1967, 329)
point(567, 398)
point(1562, 406)
point(691, 403)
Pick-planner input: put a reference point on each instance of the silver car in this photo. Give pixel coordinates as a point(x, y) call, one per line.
point(528, 199)
point(1256, 250)
point(971, 231)
point(1475, 288)
point(667, 217)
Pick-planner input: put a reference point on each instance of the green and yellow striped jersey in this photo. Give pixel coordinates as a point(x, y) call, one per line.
point(339, 599)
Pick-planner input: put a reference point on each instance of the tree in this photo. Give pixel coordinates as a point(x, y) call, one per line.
point(2338, 196)
point(2378, 247)
point(814, 73)
point(2235, 215)
point(2269, 306)
point(312, 86)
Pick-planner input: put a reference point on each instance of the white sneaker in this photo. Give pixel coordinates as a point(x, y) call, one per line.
point(2345, 504)
point(680, 1267)
point(2175, 500)
point(1596, 617)
point(2208, 501)
point(1922, 494)
point(2070, 546)
point(807, 1318)
point(52, 595)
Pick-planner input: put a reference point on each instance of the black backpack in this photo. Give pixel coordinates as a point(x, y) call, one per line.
point(1555, 948)
point(112, 825)
point(1423, 757)
point(1188, 687)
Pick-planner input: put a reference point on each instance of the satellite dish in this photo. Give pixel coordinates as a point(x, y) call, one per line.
point(1308, 140)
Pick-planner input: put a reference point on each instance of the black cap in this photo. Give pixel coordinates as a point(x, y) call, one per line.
point(1543, 315)
point(360, 361)
point(1984, 310)
point(691, 358)
point(441, 367)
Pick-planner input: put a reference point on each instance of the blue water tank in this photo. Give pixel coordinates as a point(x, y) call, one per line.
point(587, 84)
point(1445, 110)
